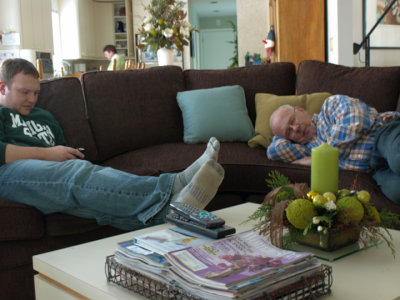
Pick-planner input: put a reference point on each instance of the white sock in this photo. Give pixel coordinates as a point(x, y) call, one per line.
point(203, 186)
point(184, 177)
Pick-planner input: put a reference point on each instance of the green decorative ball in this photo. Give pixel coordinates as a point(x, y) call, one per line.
point(350, 210)
point(300, 213)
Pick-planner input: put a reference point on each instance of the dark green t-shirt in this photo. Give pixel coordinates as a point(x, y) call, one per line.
point(38, 129)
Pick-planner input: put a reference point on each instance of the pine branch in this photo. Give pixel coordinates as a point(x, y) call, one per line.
point(277, 180)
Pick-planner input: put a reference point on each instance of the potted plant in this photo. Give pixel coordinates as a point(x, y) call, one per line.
point(164, 28)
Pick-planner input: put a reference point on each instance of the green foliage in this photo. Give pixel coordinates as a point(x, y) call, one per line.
point(285, 193)
point(276, 180)
point(235, 58)
point(263, 211)
point(388, 218)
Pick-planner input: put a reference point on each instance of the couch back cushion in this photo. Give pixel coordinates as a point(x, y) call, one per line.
point(276, 78)
point(377, 86)
point(64, 99)
point(133, 109)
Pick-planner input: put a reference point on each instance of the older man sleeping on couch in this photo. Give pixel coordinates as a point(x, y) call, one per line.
point(365, 138)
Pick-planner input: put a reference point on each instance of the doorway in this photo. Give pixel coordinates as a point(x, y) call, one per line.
point(213, 47)
point(216, 48)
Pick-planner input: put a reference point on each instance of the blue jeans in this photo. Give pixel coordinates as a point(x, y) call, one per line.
point(385, 160)
point(86, 190)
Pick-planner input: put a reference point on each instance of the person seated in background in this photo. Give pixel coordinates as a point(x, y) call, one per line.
point(110, 52)
point(37, 168)
point(366, 140)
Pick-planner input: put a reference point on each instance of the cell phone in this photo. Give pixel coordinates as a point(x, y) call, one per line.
point(81, 149)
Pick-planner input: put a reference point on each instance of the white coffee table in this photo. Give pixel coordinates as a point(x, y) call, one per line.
point(78, 272)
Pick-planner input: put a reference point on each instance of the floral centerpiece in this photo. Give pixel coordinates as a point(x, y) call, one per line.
point(165, 26)
point(292, 213)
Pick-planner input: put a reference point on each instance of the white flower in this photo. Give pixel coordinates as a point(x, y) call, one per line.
point(184, 31)
point(315, 220)
point(167, 32)
point(147, 19)
point(320, 228)
point(148, 27)
point(330, 205)
point(186, 24)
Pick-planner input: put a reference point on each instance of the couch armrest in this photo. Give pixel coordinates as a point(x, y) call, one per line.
point(19, 222)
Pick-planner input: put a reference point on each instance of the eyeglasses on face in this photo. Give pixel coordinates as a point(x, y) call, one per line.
point(292, 122)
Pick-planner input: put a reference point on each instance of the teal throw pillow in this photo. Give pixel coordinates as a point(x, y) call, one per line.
point(220, 112)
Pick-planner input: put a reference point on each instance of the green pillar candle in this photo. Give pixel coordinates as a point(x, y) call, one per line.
point(324, 169)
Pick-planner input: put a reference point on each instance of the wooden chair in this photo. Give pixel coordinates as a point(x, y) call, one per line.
point(77, 74)
point(114, 64)
point(129, 64)
point(39, 67)
point(141, 65)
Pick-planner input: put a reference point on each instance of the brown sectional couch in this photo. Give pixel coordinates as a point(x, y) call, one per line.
point(130, 120)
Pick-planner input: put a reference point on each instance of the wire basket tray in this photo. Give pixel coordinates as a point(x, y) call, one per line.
point(311, 287)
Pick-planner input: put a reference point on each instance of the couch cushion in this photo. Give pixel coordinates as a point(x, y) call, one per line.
point(64, 99)
point(220, 112)
point(134, 108)
point(266, 104)
point(245, 167)
point(377, 86)
point(276, 78)
point(19, 221)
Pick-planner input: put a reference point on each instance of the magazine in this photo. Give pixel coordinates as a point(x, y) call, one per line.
point(233, 261)
point(128, 251)
point(166, 240)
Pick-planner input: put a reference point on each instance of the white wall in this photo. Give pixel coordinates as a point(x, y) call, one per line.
point(253, 26)
point(340, 32)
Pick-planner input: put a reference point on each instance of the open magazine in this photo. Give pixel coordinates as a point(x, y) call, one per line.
point(236, 262)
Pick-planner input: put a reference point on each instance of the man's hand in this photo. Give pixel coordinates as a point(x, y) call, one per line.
point(305, 161)
point(57, 153)
point(62, 153)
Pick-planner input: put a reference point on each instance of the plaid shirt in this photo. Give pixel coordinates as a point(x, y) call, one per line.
point(345, 123)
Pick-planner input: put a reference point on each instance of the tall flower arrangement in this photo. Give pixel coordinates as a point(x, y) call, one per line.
point(165, 25)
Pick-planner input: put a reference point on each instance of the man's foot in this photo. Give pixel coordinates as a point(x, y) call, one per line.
point(203, 186)
point(184, 177)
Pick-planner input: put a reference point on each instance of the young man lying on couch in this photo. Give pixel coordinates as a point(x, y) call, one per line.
point(365, 138)
point(38, 169)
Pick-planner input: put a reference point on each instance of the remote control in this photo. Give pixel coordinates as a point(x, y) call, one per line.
point(185, 223)
point(203, 217)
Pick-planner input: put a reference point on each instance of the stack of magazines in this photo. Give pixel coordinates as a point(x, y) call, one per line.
point(241, 266)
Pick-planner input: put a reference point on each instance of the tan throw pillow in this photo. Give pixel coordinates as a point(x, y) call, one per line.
point(266, 104)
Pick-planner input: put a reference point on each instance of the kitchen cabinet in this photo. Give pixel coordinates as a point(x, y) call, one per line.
point(85, 27)
point(31, 20)
point(299, 30)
